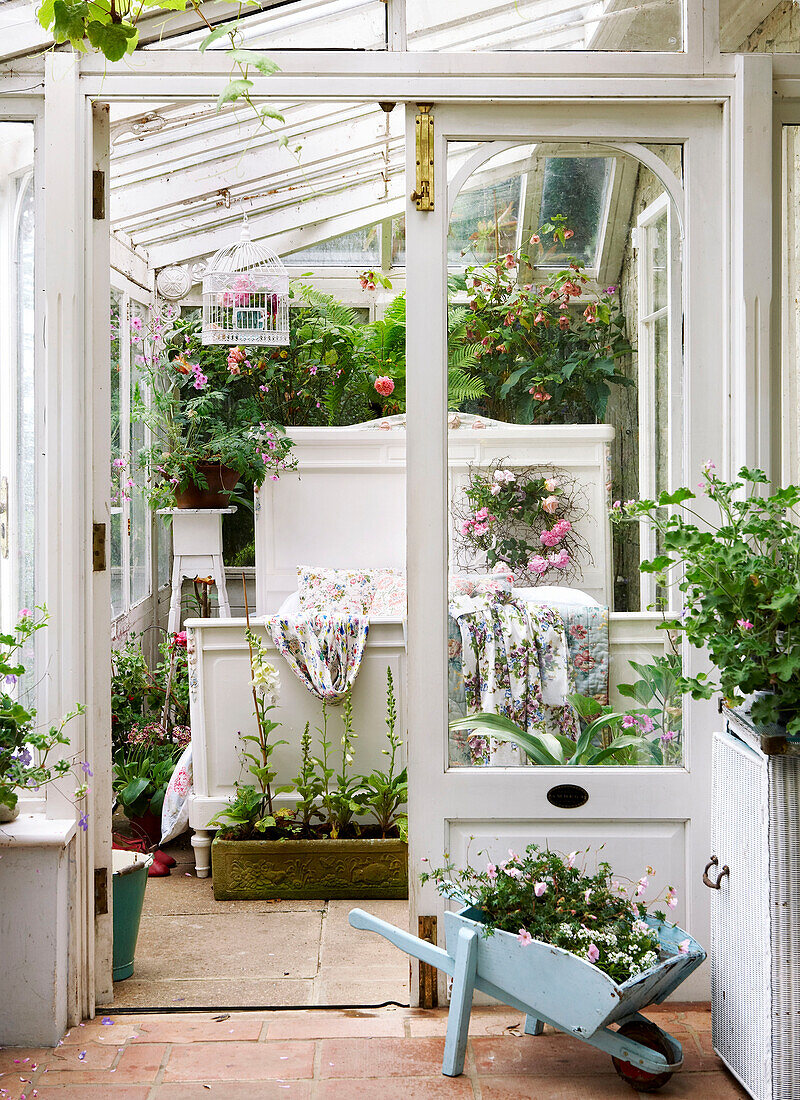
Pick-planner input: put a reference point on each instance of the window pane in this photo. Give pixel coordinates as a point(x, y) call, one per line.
point(139, 510)
point(561, 351)
point(759, 28)
point(119, 463)
point(361, 248)
point(485, 25)
point(26, 408)
point(577, 188)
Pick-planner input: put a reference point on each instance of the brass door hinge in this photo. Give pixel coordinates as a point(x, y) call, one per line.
point(98, 195)
point(100, 891)
point(98, 547)
point(422, 195)
point(428, 974)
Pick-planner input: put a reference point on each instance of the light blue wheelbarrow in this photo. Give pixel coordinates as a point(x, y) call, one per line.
point(555, 987)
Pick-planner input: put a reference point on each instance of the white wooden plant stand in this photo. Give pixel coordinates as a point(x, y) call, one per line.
point(196, 552)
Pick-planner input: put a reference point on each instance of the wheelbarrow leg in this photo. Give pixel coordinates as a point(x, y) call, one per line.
point(466, 964)
point(533, 1026)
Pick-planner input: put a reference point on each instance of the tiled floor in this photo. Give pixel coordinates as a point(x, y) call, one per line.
point(345, 1054)
point(195, 952)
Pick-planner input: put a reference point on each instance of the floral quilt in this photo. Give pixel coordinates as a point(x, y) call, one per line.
point(571, 655)
point(324, 650)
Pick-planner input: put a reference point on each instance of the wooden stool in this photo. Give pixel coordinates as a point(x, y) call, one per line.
point(196, 552)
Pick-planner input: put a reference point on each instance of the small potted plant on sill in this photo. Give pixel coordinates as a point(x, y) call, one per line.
point(26, 751)
point(206, 409)
point(322, 847)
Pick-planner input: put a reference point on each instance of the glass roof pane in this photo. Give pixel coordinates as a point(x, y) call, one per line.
point(760, 26)
point(485, 25)
point(576, 187)
point(301, 25)
point(361, 248)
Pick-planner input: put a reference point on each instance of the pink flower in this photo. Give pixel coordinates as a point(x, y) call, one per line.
point(569, 233)
point(563, 323)
point(645, 723)
point(119, 463)
point(514, 872)
point(539, 888)
point(562, 527)
point(491, 871)
point(510, 261)
point(628, 722)
point(551, 484)
point(540, 395)
point(25, 613)
point(535, 239)
point(593, 953)
point(384, 386)
point(550, 505)
point(641, 886)
point(559, 560)
point(540, 318)
point(235, 369)
point(550, 537)
point(571, 859)
point(744, 624)
point(537, 564)
point(524, 937)
point(672, 898)
point(684, 946)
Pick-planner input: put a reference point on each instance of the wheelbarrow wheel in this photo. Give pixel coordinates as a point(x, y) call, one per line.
point(649, 1035)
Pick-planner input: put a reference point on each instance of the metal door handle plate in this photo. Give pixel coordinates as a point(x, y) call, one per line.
point(714, 862)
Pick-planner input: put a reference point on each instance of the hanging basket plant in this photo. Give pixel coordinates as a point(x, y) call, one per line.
point(523, 518)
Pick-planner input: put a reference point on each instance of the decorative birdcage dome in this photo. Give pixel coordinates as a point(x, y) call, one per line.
point(245, 295)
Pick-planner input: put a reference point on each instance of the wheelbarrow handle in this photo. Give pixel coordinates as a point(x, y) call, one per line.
point(412, 945)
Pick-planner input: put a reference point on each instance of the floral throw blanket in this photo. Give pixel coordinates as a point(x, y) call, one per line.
point(582, 629)
point(514, 661)
point(323, 649)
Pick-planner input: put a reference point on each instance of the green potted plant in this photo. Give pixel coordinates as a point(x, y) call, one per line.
point(206, 411)
point(322, 846)
point(546, 353)
point(738, 571)
point(26, 750)
point(142, 770)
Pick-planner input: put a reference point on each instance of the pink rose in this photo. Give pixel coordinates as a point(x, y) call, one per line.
point(537, 564)
point(549, 505)
point(384, 386)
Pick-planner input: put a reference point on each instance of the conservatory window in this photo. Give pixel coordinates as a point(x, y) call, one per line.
point(770, 27)
point(131, 521)
point(484, 25)
point(360, 248)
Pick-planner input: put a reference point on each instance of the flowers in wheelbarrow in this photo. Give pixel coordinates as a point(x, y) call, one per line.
point(542, 896)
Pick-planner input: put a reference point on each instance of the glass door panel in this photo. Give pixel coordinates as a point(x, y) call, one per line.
point(564, 361)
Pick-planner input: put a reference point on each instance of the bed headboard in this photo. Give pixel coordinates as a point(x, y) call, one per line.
point(345, 505)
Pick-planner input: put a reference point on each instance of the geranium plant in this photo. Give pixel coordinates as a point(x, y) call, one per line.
point(541, 895)
point(546, 354)
point(521, 518)
point(739, 573)
point(31, 756)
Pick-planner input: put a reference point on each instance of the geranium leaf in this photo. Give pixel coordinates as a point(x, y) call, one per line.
point(113, 40)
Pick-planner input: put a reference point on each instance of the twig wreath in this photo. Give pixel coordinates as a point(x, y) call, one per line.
point(523, 517)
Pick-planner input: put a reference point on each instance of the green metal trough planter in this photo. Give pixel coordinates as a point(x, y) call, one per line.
point(556, 987)
point(293, 869)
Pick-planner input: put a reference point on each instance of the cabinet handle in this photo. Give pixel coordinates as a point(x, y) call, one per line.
point(714, 862)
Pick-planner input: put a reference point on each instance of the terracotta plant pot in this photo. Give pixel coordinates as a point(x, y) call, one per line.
point(222, 480)
point(266, 869)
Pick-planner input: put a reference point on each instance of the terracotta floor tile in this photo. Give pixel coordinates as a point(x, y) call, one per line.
point(361, 1058)
point(92, 1092)
point(234, 1090)
point(702, 1086)
point(562, 1087)
point(78, 1065)
point(140, 1062)
point(345, 1023)
point(114, 1034)
point(237, 1061)
point(19, 1060)
point(540, 1055)
point(389, 1088)
point(197, 1027)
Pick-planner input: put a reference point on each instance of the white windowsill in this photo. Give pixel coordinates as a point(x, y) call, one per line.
point(36, 830)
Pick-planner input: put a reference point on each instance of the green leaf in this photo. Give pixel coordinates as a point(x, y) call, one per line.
point(113, 40)
point(69, 21)
point(585, 705)
point(45, 14)
point(260, 61)
point(678, 497)
point(234, 90)
point(134, 790)
point(267, 112)
point(657, 565)
point(224, 30)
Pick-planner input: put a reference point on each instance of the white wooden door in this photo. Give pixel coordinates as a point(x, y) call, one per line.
point(656, 816)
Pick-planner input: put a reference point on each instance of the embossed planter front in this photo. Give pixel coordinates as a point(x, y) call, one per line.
point(319, 869)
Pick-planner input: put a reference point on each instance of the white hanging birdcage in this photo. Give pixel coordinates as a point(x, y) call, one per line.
point(245, 295)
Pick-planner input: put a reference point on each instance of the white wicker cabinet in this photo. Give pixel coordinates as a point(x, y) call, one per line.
point(755, 912)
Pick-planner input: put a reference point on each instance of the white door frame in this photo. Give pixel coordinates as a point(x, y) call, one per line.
point(442, 801)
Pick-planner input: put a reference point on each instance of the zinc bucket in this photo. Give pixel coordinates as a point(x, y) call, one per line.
point(128, 883)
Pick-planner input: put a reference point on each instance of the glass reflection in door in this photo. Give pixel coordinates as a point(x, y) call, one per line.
point(564, 365)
